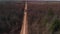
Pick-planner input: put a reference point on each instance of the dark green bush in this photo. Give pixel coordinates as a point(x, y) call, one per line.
point(55, 26)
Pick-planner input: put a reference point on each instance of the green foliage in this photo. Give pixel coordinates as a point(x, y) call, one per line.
point(55, 26)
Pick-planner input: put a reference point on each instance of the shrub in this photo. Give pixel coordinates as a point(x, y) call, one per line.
point(55, 26)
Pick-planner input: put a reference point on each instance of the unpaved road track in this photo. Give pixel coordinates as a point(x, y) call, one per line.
point(24, 29)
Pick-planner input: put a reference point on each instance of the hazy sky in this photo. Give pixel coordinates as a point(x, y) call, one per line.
point(30, 0)
point(43, 0)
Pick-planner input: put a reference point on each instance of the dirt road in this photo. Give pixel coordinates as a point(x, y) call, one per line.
point(24, 29)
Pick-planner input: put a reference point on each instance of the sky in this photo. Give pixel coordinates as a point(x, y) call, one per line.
point(30, 0)
point(43, 0)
